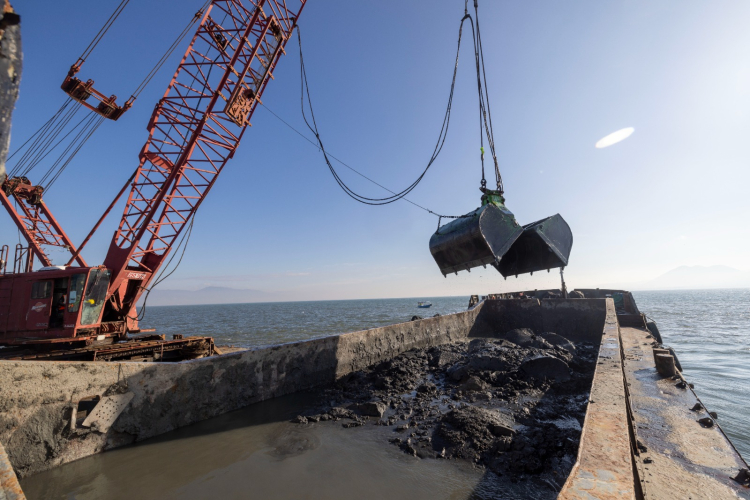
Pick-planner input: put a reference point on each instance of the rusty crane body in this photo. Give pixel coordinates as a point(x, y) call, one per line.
point(194, 131)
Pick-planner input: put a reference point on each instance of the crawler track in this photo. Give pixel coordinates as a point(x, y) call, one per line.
point(177, 349)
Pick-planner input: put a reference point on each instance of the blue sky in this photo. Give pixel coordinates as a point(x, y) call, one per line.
point(561, 76)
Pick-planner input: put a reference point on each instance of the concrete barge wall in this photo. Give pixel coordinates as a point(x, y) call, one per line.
point(39, 400)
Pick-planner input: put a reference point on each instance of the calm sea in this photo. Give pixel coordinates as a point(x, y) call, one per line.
point(710, 330)
point(252, 325)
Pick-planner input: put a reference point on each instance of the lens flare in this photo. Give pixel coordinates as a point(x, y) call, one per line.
point(615, 137)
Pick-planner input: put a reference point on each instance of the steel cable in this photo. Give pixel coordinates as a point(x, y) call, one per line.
point(103, 30)
point(151, 74)
point(485, 122)
point(485, 116)
point(40, 135)
point(305, 91)
point(49, 150)
point(355, 170)
point(45, 124)
point(81, 138)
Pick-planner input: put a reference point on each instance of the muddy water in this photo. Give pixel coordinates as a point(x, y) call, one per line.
point(257, 453)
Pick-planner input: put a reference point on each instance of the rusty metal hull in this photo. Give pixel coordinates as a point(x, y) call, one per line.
point(479, 238)
point(544, 244)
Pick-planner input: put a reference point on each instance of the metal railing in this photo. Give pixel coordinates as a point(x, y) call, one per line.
point(23, 260)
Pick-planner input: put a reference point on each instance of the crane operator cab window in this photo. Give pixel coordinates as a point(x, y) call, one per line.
point(41, 290)
point(76, 292)
point(96, 292)
point(59, 301)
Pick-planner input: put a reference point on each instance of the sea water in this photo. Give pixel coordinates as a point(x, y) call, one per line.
point(257, 453)
point(709, 329)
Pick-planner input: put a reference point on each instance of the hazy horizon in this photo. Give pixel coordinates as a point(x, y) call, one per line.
point(698, 278)
point(408, 298)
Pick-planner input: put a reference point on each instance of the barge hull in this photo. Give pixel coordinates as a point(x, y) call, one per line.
point(42, 401)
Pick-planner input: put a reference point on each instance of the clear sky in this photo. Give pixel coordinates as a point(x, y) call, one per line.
point(561, 75)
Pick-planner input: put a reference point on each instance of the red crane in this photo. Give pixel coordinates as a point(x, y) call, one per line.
point(194, 130)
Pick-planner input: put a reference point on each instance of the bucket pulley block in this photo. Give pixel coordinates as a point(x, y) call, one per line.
point(81, 91)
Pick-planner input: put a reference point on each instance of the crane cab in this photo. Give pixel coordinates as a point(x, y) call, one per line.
point(53, 304)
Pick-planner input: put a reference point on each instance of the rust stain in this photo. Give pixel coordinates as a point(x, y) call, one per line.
point(10, 489)
point(603, 469)
point(678, 458)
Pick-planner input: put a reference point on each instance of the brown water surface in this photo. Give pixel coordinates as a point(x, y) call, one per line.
point(257, 453)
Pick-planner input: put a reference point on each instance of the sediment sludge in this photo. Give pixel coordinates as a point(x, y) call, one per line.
point(562, 394)
point(514, 402)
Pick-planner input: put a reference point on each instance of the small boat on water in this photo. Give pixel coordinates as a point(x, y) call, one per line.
point(424, 305)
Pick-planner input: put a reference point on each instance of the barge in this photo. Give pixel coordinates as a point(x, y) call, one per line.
point(645, 434)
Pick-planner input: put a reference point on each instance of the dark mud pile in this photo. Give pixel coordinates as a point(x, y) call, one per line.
point(514, 403)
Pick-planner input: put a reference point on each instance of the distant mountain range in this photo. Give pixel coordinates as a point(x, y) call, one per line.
point(693, 277)
point(208, 295)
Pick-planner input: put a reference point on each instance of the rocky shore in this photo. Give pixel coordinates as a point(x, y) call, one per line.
point(513, 403)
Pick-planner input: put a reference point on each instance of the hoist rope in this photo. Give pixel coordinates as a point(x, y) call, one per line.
point(314, 129)
point(49, 150)
point(485, 122)
point(108, 24)
point(42, 135)
point(38, 130)
point(485, 115)
point(151, 74)
point(45, 142)
point(64, 160)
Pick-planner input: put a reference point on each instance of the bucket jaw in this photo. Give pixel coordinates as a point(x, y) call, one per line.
point(476, 239)
point(544, 244)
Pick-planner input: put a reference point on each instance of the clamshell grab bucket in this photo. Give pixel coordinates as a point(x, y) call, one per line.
point(544, 244)
point(478, 238)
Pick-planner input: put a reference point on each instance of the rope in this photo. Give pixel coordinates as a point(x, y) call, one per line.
point(89, 119)
point(305, 91)
point(108, 24)
point(184, 240)
point(37, 131)
point(151, 74)
point(485, 123)
point(485, 114)
point(41, 134)
point(355, 170)
point(36, 162)
point(98, 122)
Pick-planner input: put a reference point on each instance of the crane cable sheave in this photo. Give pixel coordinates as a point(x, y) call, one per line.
point(81, 92)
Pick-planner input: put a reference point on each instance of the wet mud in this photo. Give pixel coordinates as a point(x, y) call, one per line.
point(482, 419)
point(513, 404)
